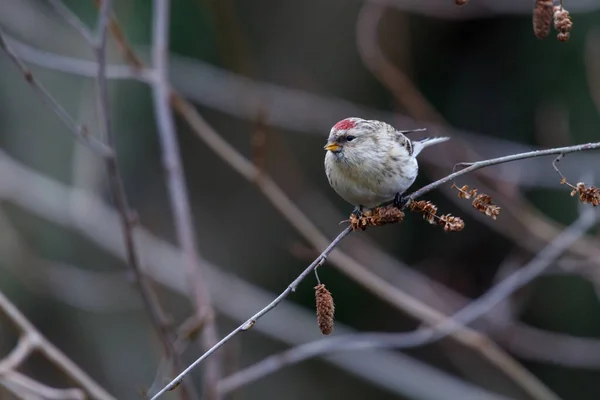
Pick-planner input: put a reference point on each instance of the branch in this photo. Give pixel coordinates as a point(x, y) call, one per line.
point(32, 339)
point(421, 337)
point(26, 388)
point(80, 131)
point(73, 20)
point(470, 167)
point(152, 305)
point(19, 353)
point(250, 322)
point(178, 192)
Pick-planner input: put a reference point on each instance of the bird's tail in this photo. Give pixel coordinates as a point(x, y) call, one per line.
point(419, 145)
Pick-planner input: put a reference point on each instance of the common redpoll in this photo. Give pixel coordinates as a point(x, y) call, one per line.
point(370, 162)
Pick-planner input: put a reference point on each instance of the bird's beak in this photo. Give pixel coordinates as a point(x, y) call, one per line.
point(332, 147)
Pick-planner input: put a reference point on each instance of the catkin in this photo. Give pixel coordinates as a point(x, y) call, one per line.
point(325, 309)
point(542, 18)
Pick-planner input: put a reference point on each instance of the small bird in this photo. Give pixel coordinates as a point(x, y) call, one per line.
point(370, 162)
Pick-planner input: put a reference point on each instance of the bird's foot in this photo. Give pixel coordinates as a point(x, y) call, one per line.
point(358, 211)
point(399, 202)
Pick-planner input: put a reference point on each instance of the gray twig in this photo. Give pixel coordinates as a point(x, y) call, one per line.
point(128, 218)
point(80, 131)
point(250, 322)
point(72, 20)
point(32, 340)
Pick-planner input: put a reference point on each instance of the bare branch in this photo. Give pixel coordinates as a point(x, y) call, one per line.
point(80, 131)
point(152, 304)
point(250, 322)
point(72, 20)
point(178, 192)
point(470, 167)
point(35, 339)
point(28, 388)
point(18, 354)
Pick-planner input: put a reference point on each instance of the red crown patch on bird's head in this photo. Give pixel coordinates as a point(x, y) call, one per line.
point(345, 124)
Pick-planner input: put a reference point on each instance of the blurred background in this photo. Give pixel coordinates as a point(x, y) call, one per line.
point(272, 78)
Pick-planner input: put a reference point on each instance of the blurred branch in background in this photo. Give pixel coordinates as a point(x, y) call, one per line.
point(153, 307)
point(30, 341)
point(296, 110)
point(178, 193)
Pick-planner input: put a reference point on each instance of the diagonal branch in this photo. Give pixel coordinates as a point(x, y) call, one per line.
point(80, 131)
point(152, 304)
point(250, 322)
point(39, 342)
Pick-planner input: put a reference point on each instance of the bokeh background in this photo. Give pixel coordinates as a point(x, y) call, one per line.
point(272, 78)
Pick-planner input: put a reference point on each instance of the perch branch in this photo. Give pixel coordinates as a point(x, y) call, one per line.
point(250, 322)
point(33, 340)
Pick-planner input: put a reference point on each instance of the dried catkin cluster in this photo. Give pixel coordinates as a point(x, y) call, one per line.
point(562, 23)
point(587, 195)
point(429, 211)
point(325, 309)
point(376, 217)
point(544, 11)
point(542, 18)
point(482, 202)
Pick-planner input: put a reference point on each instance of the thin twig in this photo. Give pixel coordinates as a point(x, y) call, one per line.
point(51, 352)
point(18, 354)
point(157, 315)
point(470, 167)
point(81, 132)
point(474, 310)
point(72, 20)
point(250, 322)
point(178, 192)
point(28, 388)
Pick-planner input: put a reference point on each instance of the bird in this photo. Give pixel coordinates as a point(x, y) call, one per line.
point(369, 162)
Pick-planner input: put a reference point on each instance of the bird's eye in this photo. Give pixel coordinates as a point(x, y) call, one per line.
point(350, 138)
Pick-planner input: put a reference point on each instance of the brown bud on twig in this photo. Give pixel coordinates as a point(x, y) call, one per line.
point(587, 195)
point(429, 211)
point(562, 23)
point(461, 2)
point(376, 217)
point(325, 309)
point(451, 224)
point(483, 203)
point(542, 18)
point(464, 192)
